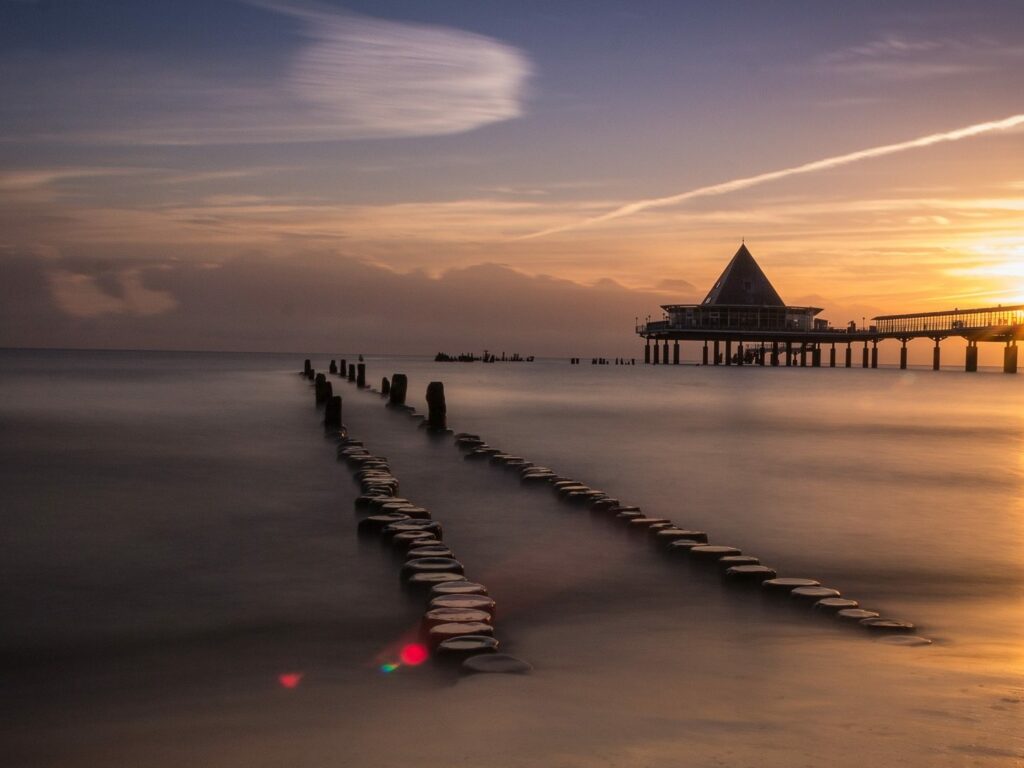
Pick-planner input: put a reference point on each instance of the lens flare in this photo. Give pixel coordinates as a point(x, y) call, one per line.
point(290, 679)
point(387, 668)
point(413, 654)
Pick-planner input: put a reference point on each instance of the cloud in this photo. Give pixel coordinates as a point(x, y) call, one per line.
point(818, 165)
point(350, 77)
point(310, 300)
point(373, 78)
point(83, 295)
point(894, 57)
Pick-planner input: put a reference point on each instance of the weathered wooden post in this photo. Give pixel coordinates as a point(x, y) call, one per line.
point(306, 368)
point(320, 388)
point(333, 368)
point(332, 414)
point(361, 375)
point(385, 386)
point(399, 385)
point(351, 371)
point(342, 367)
point(437, 417)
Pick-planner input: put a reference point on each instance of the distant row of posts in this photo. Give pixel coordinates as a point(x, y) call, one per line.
point(804, 354)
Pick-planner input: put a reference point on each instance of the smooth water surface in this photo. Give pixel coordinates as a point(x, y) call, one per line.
point(177, 534)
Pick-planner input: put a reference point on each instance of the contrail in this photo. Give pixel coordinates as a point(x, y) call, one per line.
point(818, 165)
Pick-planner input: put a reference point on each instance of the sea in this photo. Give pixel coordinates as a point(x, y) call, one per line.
point(182, 583)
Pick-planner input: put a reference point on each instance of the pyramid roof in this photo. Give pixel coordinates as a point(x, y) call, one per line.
point(744, 283)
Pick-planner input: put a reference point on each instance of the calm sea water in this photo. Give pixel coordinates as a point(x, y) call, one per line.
point(177, 534)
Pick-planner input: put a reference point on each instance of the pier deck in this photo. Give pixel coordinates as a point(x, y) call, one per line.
point(987, 324)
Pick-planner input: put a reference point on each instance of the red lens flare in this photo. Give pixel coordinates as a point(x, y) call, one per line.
point(290, 679)
point(413, 654)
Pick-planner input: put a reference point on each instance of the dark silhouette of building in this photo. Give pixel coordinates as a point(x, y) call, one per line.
point(743, 298)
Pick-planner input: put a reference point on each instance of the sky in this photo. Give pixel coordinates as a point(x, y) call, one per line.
point(408, 177)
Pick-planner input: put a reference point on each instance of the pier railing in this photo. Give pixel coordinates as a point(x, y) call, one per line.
point(997, 320)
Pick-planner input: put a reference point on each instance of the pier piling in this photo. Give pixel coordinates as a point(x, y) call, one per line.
point(385, 386)
point(705, 356)
point(718, 352)
point(675, 353)
point(306, 368)
point(1010, 358)
point(351, 371)
point(849, 356)
point(971, 364)
point(874, 354)
point(903, 355)
point(936, 356)
point(361, 375)
point(342, 367)
point(647, 352)
point(832, 357)
point(333, 368)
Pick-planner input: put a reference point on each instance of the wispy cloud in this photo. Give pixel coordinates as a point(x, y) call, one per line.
point(349, 77)
point(895, 57)
point(818, 165)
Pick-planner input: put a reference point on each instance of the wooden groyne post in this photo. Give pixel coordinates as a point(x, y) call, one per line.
point(399, 385)
point(332, 414)
point(361, 375)
point(437, 417)
point(322, 388)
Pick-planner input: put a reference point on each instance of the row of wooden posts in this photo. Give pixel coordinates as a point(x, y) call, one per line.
point(395, 389)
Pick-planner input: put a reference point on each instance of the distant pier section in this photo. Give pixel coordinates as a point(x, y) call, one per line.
point(744, 321)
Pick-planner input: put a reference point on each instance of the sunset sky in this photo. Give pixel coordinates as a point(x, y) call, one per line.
point(413, 176)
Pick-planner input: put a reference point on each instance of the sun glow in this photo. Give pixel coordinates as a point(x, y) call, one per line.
point(1000, 265)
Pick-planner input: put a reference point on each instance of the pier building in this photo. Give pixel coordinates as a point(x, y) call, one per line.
point(743, 320)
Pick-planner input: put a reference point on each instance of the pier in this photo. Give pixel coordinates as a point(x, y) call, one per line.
point(744, 321)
